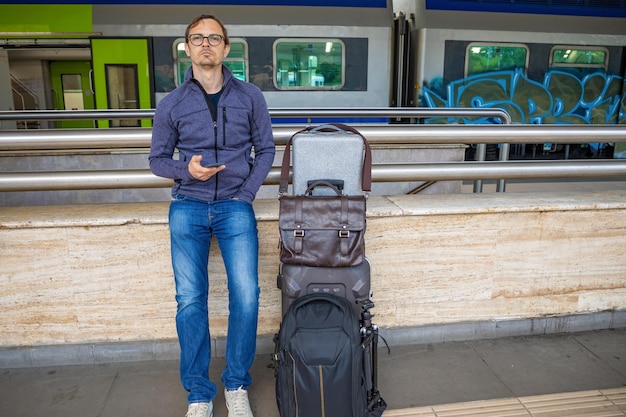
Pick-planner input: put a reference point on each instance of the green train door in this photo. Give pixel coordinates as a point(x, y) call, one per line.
point(122, 78)
point(71, 90)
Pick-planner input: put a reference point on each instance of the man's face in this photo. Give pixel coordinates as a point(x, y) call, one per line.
point(207, 55)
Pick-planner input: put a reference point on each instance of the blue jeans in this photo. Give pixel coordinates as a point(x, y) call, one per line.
point(192, 224)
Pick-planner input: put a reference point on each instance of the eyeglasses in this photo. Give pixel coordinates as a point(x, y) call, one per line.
point(197, 39)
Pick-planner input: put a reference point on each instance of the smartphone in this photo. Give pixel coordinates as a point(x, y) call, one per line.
point(211, 165)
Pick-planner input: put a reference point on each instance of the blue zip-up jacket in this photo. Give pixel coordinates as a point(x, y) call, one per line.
point(183, 121)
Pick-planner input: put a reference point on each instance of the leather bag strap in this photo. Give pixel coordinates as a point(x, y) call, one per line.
point(344, 232)
point(298, 232)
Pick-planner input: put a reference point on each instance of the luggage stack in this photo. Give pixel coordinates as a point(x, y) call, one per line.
point(326, 362)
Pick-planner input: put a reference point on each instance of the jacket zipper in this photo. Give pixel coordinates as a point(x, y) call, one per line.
point(217, 176)
point(214, 115)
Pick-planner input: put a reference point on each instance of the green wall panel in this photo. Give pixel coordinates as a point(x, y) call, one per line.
point(45, 18)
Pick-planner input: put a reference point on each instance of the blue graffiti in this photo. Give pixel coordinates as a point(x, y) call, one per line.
point(561, 97)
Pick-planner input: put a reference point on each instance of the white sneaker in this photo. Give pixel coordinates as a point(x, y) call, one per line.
point(200, 410)
point(237, 403)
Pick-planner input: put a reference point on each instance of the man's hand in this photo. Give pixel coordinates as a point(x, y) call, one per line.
point(202, 173)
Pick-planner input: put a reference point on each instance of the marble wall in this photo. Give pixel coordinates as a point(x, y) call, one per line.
point(101, 273)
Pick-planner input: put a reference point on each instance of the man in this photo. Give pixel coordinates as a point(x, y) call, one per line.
point(214, 121)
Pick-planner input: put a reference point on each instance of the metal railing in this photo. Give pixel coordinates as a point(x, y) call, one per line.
point(436, 134)
point(139, 138)
point(391, 112)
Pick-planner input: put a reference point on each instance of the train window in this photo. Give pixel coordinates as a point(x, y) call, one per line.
point(236, 61)
point(485, 57)
point(72, 91)
point(579, 59)
point(181, 61)
point(309, 64)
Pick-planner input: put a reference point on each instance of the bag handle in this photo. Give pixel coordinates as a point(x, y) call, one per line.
point(342, 303)
point(328, 184)
point(366, 179)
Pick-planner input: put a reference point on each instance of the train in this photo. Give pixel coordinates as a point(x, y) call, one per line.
point(544, 61)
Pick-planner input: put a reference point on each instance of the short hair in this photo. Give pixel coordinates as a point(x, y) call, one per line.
point(197, 20)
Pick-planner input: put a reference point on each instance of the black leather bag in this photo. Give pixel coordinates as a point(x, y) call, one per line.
point(323, 231)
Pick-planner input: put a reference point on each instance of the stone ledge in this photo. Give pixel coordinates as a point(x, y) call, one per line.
point(267, 209)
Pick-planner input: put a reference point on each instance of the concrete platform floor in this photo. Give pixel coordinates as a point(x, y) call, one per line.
point(583, 373)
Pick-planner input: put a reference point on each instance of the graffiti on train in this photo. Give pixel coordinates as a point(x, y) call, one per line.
point(562, 98)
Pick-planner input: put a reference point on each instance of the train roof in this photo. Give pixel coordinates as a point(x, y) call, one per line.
point(537, 16)
point(374, 13)
point(585, 8)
